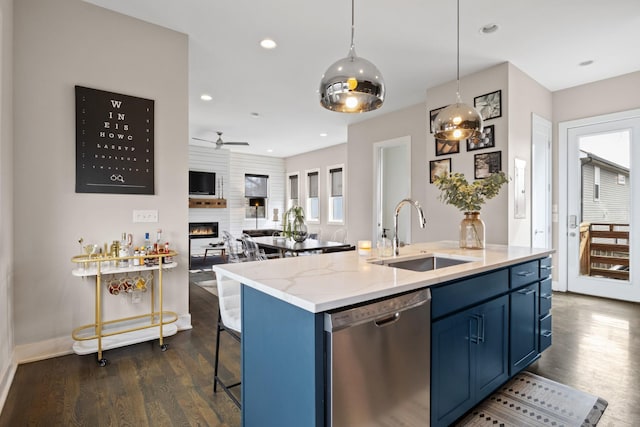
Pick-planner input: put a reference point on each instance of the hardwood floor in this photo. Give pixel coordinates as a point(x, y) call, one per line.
point(596, 348)
point(141, 385)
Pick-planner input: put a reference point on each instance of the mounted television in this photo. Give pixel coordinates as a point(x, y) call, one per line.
point(202, 183)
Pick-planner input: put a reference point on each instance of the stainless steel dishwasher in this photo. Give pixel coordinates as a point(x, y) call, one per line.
point(378, 363)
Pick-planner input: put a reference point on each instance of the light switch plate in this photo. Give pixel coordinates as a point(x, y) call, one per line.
point(145, 215)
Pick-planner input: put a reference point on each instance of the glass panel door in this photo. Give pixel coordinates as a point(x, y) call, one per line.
point(600, 208)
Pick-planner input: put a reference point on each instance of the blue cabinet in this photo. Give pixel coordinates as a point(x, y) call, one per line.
point(469, 358)
point(523, 331)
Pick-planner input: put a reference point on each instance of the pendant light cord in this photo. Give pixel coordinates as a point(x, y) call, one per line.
point(458, 55)
point(353, 24)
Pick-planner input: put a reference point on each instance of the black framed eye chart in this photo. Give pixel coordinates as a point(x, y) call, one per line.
point(114, 143)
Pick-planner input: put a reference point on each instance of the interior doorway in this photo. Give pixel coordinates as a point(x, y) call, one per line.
point(392, 183)
point(601, 211)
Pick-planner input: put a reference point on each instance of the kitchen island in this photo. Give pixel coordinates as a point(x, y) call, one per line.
point(485, 325)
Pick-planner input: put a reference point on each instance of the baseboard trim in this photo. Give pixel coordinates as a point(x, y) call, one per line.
point(6, 380)
point(62, 346)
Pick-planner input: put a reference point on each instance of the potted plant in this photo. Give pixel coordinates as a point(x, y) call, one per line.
point(293, 224)
point(469, 198)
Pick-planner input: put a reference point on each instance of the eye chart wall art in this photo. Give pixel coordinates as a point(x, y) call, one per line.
point(114, 143)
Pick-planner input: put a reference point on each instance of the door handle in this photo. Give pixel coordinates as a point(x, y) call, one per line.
point(386, 321)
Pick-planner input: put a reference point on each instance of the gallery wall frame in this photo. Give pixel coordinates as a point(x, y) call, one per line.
point(487, 140)
point(489, 105)
point(444, 147)
point(438, 167)
point(432, 118)
point(487, 163)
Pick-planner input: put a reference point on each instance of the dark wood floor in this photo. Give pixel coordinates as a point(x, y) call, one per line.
point(141, 385)
point(596, 348)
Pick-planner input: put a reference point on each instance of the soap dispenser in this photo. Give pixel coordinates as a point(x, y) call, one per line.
point(384, 247)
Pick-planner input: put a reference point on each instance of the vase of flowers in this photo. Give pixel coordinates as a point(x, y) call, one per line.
point(469, 198)
point(293, 224)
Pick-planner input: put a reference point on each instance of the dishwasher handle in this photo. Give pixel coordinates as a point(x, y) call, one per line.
point(386, 321)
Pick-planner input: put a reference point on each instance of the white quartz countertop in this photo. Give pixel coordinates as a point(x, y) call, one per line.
point(319, 283)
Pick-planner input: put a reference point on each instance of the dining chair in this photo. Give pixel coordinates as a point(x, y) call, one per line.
point(252, 251)
point(229, 321)
point(234, 249)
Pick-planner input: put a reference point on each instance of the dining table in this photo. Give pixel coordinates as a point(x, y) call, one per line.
point(283, 245)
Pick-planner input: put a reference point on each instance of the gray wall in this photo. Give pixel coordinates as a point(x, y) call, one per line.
point(7, 366)
point(58, 45)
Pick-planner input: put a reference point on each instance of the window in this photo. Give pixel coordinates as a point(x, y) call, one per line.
point(596, 184)
point(255, 193)
point(622, 180)
point(255, 185)
point(293, 191)
point(336, 195)
point(312, 211)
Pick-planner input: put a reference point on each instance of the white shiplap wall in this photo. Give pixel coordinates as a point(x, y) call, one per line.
point(242, 164)
point(232, 167)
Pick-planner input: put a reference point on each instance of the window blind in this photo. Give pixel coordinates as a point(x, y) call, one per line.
point(336, 182)
point(313, 184)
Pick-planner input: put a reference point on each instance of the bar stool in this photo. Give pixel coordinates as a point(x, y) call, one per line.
point(229, 321)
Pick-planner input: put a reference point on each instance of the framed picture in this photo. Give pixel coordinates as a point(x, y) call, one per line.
point(487, 163)
point(444, 147)
point(432, 118)
point(489, 105)
point(438, 167)
point(487, 140)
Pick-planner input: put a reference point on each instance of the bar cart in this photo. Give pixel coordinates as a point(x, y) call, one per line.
point(106, 334)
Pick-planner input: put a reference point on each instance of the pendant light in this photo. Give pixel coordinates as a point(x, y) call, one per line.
point(352, 84)
point(458, 121)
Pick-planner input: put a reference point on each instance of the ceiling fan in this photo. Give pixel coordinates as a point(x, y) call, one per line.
point(219, 142)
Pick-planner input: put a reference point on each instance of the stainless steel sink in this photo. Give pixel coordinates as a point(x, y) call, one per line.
point(427, 263)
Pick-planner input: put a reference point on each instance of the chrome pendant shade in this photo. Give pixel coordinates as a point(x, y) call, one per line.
point(352, 84)
point(458, 121)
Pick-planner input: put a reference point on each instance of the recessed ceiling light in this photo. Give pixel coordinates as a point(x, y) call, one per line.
point(586, 63)
point(269, 150)
point(489, 28)
point(206, 97)
point(323, 134)
point(268, 44)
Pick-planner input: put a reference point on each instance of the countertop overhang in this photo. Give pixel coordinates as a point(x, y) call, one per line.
point(318, 283)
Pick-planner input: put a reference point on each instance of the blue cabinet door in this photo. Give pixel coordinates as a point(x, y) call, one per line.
point(492, 357)
point(524, 327)
point(469, 358)
point(451, 367)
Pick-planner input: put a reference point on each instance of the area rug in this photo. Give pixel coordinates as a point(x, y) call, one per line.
point(531, 400)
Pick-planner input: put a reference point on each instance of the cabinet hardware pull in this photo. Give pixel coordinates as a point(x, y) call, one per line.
point(546, 334)
point(526, 273)
point(526, 291)
point(474, 338)
point(481, 338)
point(546, 267)
point(545, 296)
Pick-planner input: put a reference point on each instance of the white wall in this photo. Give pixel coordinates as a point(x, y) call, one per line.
point(321, 159)
point(58, 45)
point(231, 167)
point(7, 365)
point(443, 220)
point(409, 122)
point(209, 159)
point(526, 96)
point(241, 164)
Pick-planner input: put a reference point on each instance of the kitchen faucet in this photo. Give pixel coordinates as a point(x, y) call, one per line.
point(421, 219)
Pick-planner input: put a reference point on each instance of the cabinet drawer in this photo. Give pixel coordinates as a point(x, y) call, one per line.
point(523, 274)
point(545, 332)
point(454, 296)
point(545, 286)
point(545, 267)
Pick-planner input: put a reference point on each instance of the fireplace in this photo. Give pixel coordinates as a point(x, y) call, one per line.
point(203, 230)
